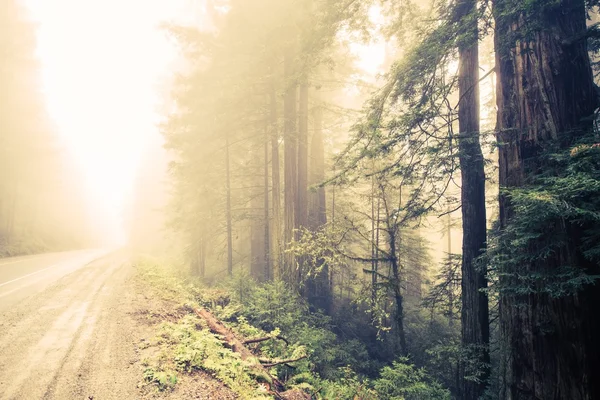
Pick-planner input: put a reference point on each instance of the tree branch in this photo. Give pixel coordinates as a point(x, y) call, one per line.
point(275, 363)
point(264, 339)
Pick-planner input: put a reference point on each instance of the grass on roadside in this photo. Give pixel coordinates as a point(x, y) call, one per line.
point(183, 344)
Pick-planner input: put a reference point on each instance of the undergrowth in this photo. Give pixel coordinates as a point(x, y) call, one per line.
point(186, 346)
point(328, 367)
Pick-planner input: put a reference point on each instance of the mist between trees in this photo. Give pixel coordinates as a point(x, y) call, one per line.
point(43, 205)
point(419, 182)
point(443, 208)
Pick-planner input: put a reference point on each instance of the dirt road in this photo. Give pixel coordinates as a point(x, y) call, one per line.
point(73, 339)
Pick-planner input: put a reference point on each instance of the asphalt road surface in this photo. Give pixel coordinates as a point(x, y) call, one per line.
point(65, 331)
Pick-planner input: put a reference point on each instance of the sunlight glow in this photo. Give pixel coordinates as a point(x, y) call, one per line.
point(371, 56)
point(101, 63)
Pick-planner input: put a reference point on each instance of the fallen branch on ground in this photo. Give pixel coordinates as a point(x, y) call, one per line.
point(276, 387)
point(274, 363)
point(217, 327)
point(264, 339)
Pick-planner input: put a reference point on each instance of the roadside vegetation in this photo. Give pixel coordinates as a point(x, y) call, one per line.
point(308, 357)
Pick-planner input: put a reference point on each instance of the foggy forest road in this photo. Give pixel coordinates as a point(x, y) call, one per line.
point(22, 277)
point(69, 340)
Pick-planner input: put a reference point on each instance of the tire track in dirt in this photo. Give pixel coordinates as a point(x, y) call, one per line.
point(47, 343)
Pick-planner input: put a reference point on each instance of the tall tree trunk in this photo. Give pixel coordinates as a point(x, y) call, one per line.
point(398, 297)
point(377, 237)
point(290, 145)
point(373, 248)
point(544, 91)
point(267, 273)
point(202, 256)
point(318, 203)
point(257, 231)
point(302, 193)
point(228, 211)
point(394, 273)
point(319, 290)
point(257, 211)
point(475, 331)
point(449, 247)
point(275, 187)
point(302, 204)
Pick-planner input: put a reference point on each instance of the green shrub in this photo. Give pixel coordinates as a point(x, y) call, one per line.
point(402, 381)
point(164, 380)
point(260, 309)
point(332, 369)
point(193, 348)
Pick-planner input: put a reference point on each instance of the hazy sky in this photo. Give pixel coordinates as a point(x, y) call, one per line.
point(102, 61)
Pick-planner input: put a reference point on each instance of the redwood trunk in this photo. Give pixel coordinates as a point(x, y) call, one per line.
point(475, 331)
point(275, 189)
point(398, 298)
point(228, 215)
point(267, 273)
point(319, 290)
point(318, 206)
point(302, 194)
point(257, 231)
point(545, 89)
point(290, 145)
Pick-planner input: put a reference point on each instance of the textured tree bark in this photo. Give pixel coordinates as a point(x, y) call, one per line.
point(228, 211)
point(257, 234)
point(544, 90)
point(275, 188)
point(318, 204)
point(319, 288)
point(301, 213)
point(374, 265)
point(267, 272)
point(398, 298)
point(475, 333)
point(302, 204)
point(290, 147)
point(394, 279)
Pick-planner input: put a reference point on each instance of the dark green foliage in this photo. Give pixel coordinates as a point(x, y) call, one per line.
point(273, 305)
point(408, 123)
point(403, 381)
point(344, 355)
point(435, 345)
point(339, 361)
point(566, 192)
point(444, 296)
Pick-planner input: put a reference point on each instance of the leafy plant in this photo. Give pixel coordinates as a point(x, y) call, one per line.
point(164, 380)
point(403, 381)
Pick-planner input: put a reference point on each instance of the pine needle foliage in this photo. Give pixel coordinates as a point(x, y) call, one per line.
point(567, 192)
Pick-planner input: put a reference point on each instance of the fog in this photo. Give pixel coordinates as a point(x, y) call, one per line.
point(389, 199)
point(111, 82)
point(101, 66)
